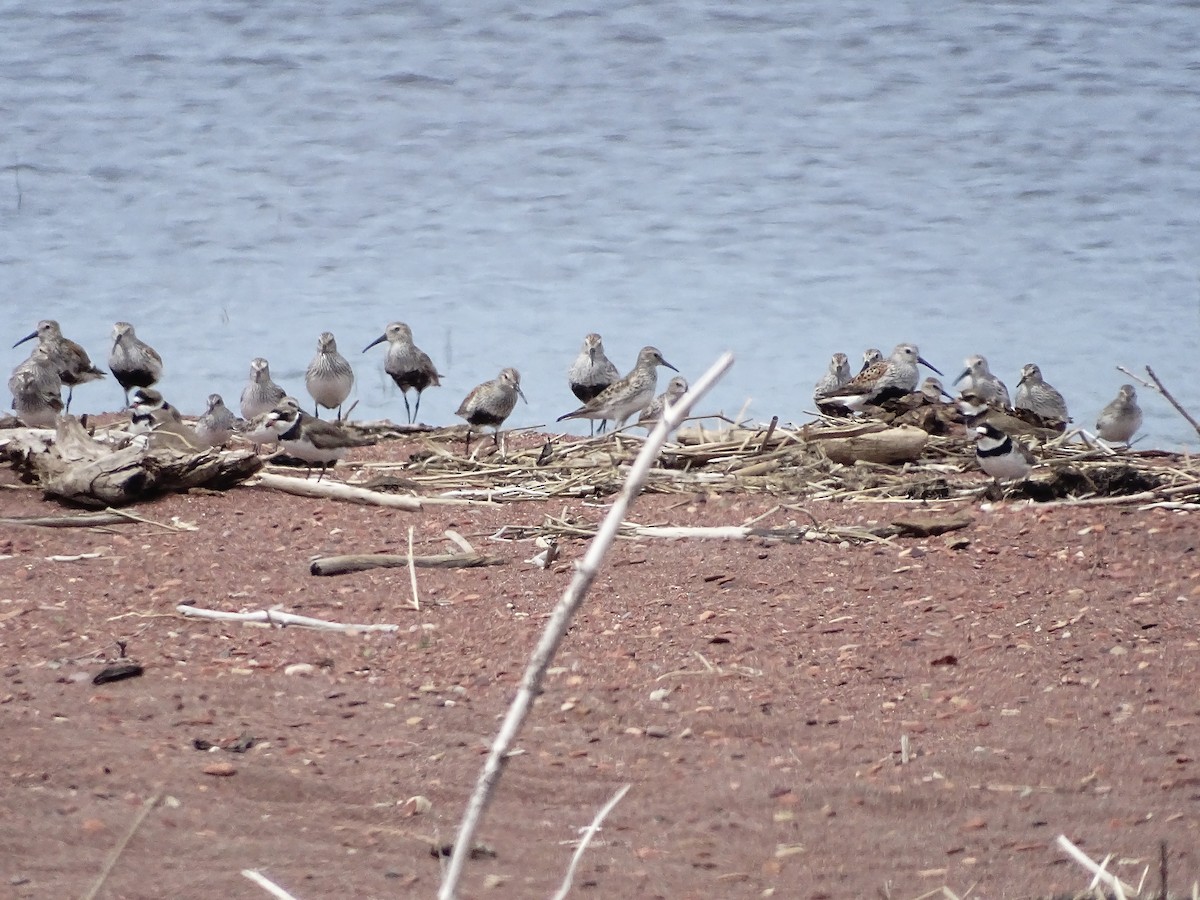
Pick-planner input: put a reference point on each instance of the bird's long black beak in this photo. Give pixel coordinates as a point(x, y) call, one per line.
point(378, 340)
point(930, 365)
point(669, 366)
point(28, 337)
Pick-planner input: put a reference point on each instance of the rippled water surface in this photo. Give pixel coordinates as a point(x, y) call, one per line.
point(779, 179)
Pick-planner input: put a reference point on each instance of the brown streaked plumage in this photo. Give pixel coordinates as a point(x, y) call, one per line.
point(490, 403)
point(410, 367)
point(629, 395)
point(68, 358)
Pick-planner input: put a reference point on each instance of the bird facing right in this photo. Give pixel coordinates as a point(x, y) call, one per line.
point(1120, 419)
point(490, 403)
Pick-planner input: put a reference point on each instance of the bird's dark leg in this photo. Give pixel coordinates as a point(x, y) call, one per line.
point(407, 409)
point(417, 408)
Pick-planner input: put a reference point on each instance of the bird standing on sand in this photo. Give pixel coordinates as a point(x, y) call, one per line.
point(627, 396)
point(1120, 419)
point(329, 378)
point(676, 388)
point(837, 375)
point(885, 380)
point(68, 358)
point(133, 362)
point(591, 372)
point(490, 403)
point(999, 455)
point(1039, 398)
point(409, 366)
point(260, 394)
point(218, 423)
point(310, 439)
point(979, 379)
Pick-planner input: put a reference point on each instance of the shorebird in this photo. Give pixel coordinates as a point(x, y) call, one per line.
point(133, 362)
point(870, 356)
point(260, 393)
point(218, 423)
point(837, 375)
point(36, 395)
point(1121, 418)
point(490, 403)
point(310, 439)
point(629, 395)
point(979, 378)
point(261, 429)
point(409, 366)
point(885, 380)
point(591, 372)
point(1039, 398)
point(999, 455)
point(931, 389)
point(329, 377)
point(676, 388)
point(150, 413)
point(68, 358)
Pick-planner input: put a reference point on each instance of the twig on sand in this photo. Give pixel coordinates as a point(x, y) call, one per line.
point(275, 617)
point(1157, 385)
point(147, 805)
point(267, 885)
point(340, 565)
point(588, 834)
point(1111, 881)
point(412, 572)
point(560, 619)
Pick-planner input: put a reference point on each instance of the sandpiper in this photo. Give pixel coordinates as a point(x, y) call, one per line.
point(1039, 398)
point(870, 356)
point(218, 423)
point(629, 395)
point(260, 393)
point(490, 403)
point(676, 388)
point(933, 391)
point(329, 377)
point(310, 439)
point(69, 359)
point(409, 366)
point(837, 375)
point(977, 377)
point(591, 372)
point(133, 362)
point(1121, 418)
point(999, 455)
point(885, 380)
point(36, 395)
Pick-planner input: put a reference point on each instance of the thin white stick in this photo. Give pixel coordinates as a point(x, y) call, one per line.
point(147, 805)
point(331, 490)
point(560, 619)
point(267, 885)
point(588, 834)
point(275, 617)
point(1118, 887)
point(412, 572)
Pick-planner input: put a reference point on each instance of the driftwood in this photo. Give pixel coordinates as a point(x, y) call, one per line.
point(83, 520)
point(340, 565)
point(331, 490)
point(275, 617)
point(904, 443)
point(75, 467)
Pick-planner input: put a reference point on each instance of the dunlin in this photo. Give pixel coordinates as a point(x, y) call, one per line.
point(885, 380)
point(999, 455)
point(591, 372)
point(409, 366)
point(629, 395)
point(310, 439)
point(870, 356)
point(133, 362)
point(68, 358)
point(1120, 419)
point(490, 403)
point(676, 388)
point(260, 393)
point(933, 392)
point(329, 378)
point(36, 395)
point(1039, 398)
point(837, 375)
point(977, 377)
point(218, 424)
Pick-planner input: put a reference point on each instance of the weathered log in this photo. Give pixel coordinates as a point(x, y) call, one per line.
point(335, 490)
point(895, 445)
point(82, 520)
point(340, 565)
point(76, 468)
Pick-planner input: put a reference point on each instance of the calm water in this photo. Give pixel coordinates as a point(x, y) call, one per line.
point(782, 180)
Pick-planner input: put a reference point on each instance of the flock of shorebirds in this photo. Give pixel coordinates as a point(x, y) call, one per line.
point(270, 415)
